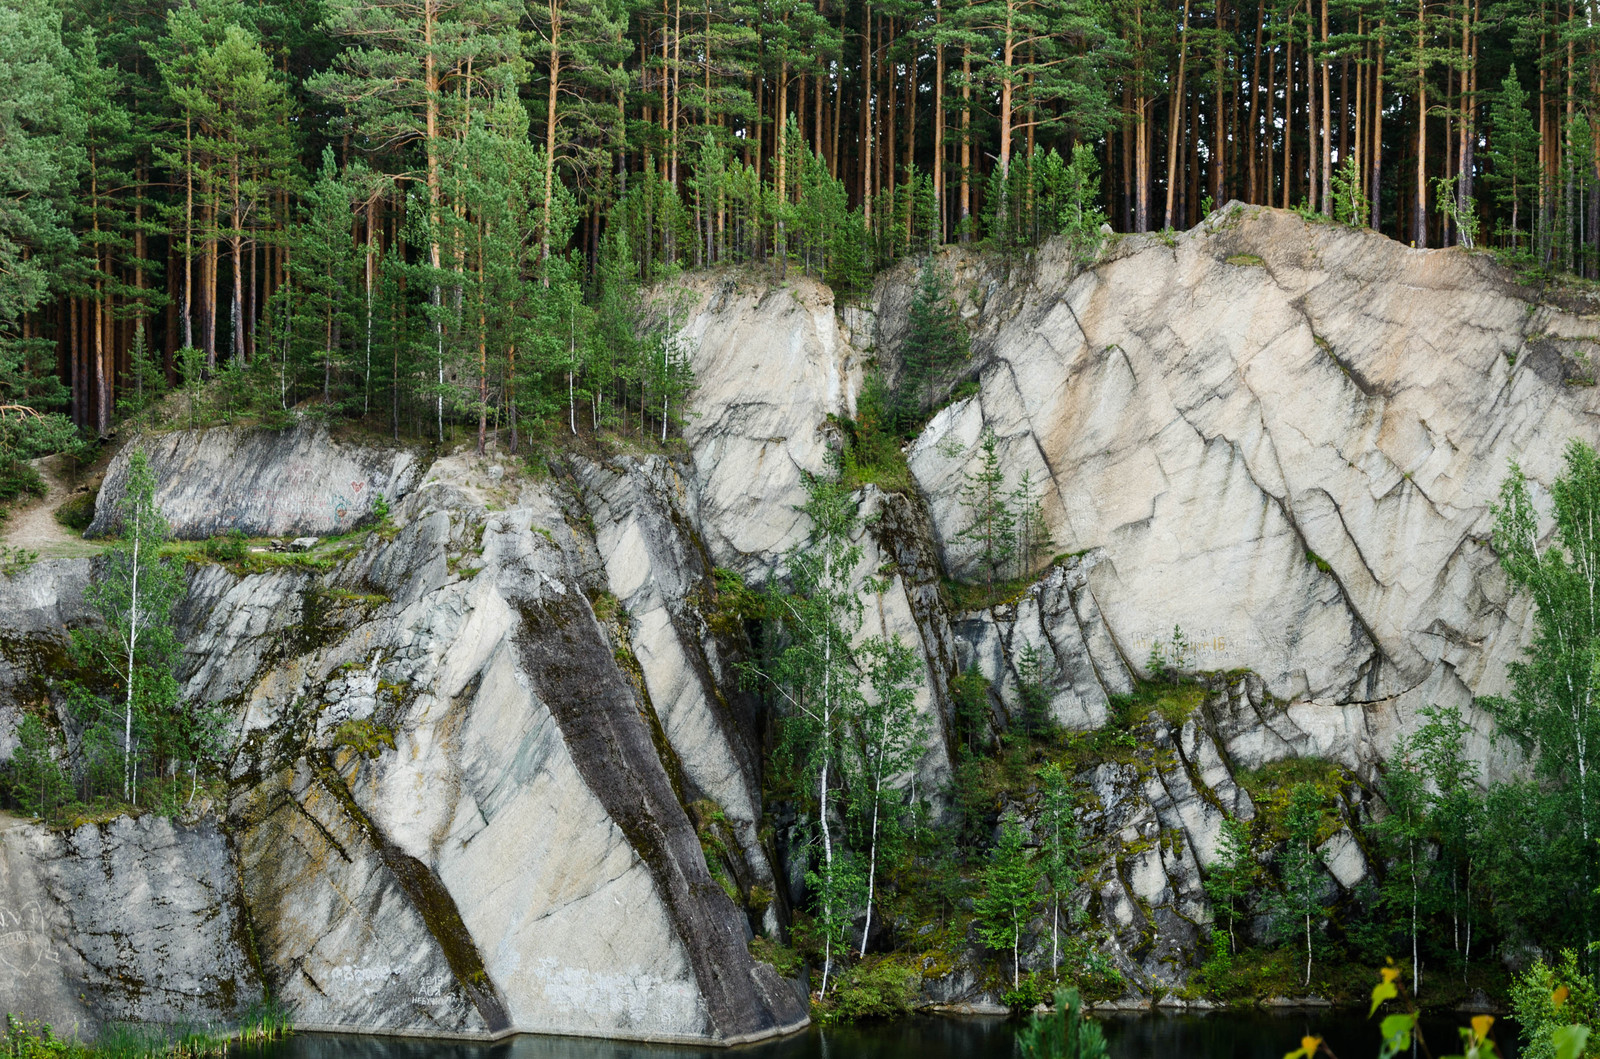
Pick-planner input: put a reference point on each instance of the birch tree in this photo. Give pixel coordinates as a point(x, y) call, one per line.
point(1551, 710)
point(132, 593)
point(1062, 847)
point(890, 736)
point(815, 678)
point(1404, 834)
point(1297, 907)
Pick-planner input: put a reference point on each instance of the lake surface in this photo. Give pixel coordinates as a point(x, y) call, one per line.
point(1144, 1036)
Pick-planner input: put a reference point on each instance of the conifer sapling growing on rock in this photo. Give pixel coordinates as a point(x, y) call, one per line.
point(1009, 895)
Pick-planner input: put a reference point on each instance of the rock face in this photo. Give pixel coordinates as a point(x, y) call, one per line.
point(264, 483)
point(456, 808)
point(1059, 619)
point(135, 920)
point(771, 364)
point(521, 860)
point(495, 770)
point(1282, 437)
point(1155, 820)
point(38, 605)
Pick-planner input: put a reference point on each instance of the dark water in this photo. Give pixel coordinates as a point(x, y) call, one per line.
point(1218, 1036)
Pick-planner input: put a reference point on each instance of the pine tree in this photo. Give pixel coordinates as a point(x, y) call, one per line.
point(104, 222)
point(1032, 531)
point(1232, 875)
point(1578, 180)
point(1046, 66)
point(41, 155)
point(318, 307)
point(991, 524)
point(144, 384)
point(34, 774)
point(1033, 693)
point(935, 343)
point(1065, 1033)
point(1009, 897)
point(415, 74)
point(580, 44)
point(1513, 150)
point(242, 112)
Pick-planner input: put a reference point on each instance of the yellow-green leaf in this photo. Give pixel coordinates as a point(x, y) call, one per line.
point(1385, 990)
point(1570, 1041)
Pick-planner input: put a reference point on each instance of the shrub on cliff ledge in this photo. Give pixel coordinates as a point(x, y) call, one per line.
point(879, 989)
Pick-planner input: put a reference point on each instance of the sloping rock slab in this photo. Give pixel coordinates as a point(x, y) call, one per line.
point(266, 483)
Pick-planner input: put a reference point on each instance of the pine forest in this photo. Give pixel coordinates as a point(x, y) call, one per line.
point(432, 214)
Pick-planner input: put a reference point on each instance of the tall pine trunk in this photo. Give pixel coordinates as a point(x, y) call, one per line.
point(1175, 114)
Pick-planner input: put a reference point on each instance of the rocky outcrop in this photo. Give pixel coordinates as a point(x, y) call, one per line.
point(1283, 437)
point(1154, 820)
point(288, 483)
point(38, 605)
point(521, 859)
point(1058, 618)
point(456, 807)
point(771, 365)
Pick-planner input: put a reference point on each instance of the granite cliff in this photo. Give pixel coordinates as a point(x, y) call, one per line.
point(1282, 437)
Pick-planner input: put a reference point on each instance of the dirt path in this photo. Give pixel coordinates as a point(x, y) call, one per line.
point(33, 526)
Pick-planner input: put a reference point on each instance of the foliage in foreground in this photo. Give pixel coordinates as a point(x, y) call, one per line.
point(1545, 1017)
point(1064, 1033)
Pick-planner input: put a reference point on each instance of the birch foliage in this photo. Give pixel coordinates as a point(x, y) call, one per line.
point(1551, 708)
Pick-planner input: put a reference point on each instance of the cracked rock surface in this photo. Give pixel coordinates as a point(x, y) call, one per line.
point(1284, 438)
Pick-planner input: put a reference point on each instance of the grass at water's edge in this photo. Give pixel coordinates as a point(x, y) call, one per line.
point(32, 1039)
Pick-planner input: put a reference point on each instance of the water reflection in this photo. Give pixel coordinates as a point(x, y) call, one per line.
point(1263, 1035)
point(1157, 1036)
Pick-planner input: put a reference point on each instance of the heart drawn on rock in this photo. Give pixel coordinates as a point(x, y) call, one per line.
point(357, 486)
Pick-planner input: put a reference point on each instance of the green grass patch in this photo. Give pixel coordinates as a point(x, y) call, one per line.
point(32, 1039)
point(964, 596)
point(717, 844)
point(365, 737)
point(876, 458)
point(880, 987)
point(781, 958)
point(346, 595)
point(1246, 260)
point(1175, 701)
point(16, 560)
point(228, 547)
point(727, 602)
point(1272, 786)
point(1250, 976)
point(248, 555)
